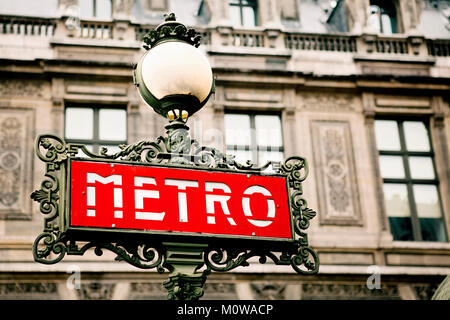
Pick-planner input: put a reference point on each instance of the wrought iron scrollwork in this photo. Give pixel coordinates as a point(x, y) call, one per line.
point(176, 148)
point(303, 259)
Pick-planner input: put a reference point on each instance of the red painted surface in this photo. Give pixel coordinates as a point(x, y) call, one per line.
point(122, 196)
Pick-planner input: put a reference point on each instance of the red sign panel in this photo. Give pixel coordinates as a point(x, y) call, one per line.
point(168, 199)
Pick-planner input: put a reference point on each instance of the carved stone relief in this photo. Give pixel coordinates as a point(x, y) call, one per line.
point(220, 291)
point(19, 88)
point(147, 291)
point(342, 291)
point(15, 164)
point(328, 102)
point(335, 170)
point(95, 291)
point(268, 290)
point(28, 290)
point(425, 291)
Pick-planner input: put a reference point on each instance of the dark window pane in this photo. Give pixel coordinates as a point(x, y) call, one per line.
point(432, 229)
point(401, 228)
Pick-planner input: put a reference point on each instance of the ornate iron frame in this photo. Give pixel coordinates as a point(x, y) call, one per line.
point(183, 260)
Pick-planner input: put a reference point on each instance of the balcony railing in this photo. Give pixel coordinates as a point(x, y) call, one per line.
point(27, 26)
point(392, 45)
point(438, 48)
point(95, 30)
point(234, 38)
point(319, 42)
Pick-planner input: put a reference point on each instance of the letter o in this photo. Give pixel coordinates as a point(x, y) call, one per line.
point(246, 206)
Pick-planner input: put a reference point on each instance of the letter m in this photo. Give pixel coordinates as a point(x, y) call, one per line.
point(91, 179)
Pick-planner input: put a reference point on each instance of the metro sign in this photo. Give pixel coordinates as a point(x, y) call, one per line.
point(113, 196)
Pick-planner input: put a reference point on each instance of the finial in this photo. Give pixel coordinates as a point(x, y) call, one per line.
point(169, 17)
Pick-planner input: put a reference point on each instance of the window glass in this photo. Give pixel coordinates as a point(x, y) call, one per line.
point(79, 123)
point(266, 156)
point(111, 149)
point(392, 167)
point(95, 127)
point(103, 9)
point(427, 201)
point(410, 183)
point(255, 137)
point(112, 124)
point(386, 24)
point(81, 154)
point(397, 208)
point(248, 17)
point(235, 16)
point(268, 130)
point(421, 168)
point(241, 156)
point(416, 136)
point(387, 135)
point(86, 8)
point(396, 198)
point(237, 129)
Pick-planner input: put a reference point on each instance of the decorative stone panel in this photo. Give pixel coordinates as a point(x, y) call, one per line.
point(335, 171)
point(147, 291)
point(16, 127)
point(95, 291)
point(28, 291)
point(348, 291)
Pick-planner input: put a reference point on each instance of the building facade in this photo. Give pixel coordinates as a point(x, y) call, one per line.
point(360, 88)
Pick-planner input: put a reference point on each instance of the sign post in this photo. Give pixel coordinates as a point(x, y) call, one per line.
point(172, 204)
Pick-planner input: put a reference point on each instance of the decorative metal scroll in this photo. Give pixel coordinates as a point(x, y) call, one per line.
point(176, 148)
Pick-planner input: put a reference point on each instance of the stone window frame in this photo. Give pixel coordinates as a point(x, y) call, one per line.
point(96, 142)
point(253, 148)
point(408, 180)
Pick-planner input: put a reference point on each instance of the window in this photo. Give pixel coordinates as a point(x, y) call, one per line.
point(382, 16)
point(243, 13)
point(96, 127)
point(254, 137)
point(410, 183)
point(101, 9)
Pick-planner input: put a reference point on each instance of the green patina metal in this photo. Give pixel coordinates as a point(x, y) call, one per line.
point(188, 259)
point(151, 251)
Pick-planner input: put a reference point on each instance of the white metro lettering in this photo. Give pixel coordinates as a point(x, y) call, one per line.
point(182, 199)
point(140, 194)
point(222, 199)
point(91, 178)
point(248, 212)
point(211, 193)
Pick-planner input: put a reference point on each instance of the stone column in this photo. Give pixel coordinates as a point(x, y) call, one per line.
point(357, 15)
point(121, 14)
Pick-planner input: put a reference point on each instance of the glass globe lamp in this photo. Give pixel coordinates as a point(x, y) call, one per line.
point(174, 77)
